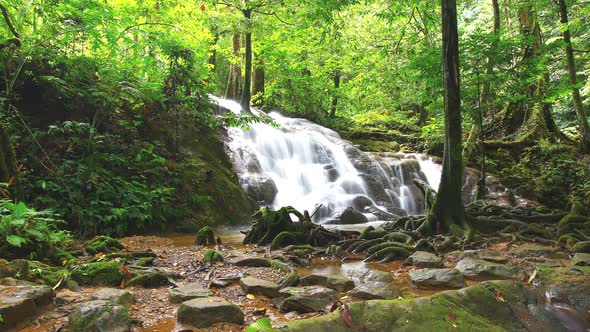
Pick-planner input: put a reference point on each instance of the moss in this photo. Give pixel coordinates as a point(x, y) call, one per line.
point(572, 219)
point(205, 236)
point(104, 244)
point(578, 208)
point(151, 279)
point(286, 238)
point(99, 273)
point(536, 230)
point(583, 247)
point(399, 237)
point(568, 240)
point(371, 233)
point(145, 261)
point(62, 257)
point(376, 146)
point(212, 256)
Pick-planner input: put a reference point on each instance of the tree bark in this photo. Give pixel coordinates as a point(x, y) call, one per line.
point(448, 207)
point(571, 68)
point(335, 98)
point(235, 72)
point(258, 86)
point(247, 94)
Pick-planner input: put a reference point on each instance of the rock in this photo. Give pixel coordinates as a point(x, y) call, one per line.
point(581, 259)
point(212, 256)
point(205, 237)
point(188, 292)
point(260, 188)
point(99, 273)
point(348, 216)
point(376, 190)
point(424, 259)
point(251, 285)
point(305, 299)
point(21, 301)
point(568, 285)
point(437, 278)
point(361, 202)
point(251, 262)
point(150, 279)
point(472, 267)
point(334, 281)
point(227, 279)
point(98, 316)
point(6, 269)
point(549, 262)
point(362, 275)
point(372, 290)
point(537, 251)
point(118, 296)
point(492, 256)
point(104, 244)
point(204, 312)
point(582, 246)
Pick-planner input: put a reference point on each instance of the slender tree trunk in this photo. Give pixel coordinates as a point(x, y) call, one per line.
point(258, 86)
point(213, 56)
point(448, 207)
point(571, 68)
point(247, 93)
point(335, 98)
point(235, 72)
point(8, 165)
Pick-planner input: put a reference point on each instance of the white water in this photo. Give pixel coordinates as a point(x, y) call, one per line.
point(310, 165)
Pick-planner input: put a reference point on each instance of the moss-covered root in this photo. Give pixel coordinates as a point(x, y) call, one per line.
point(205, 237)
point(389, 254)
point(286, 238)
point(104, 244)
point(292, 277)
point(212, 256)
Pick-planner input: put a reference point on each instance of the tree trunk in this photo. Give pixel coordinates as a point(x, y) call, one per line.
point(335, 98)
point(571, 68)
point(448, 207)
point(258, 86)
point(8, 167)
point(235, 72)
point(247, 94)
point(213, 56)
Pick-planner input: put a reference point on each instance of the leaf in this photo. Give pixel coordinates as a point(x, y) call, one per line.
point(259, 325)
point(346, 316)
point(533, 276)
point(500, 296)
point(251, 296)
point(16, 240)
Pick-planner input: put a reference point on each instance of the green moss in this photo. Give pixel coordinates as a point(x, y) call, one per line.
point(376, 146)
point(583, 246)
point(212, 256)
point(399, 237)
point(536, 230)
point(578, 208)
point(572, 219)
point(59, 256)
point(286, 238)
point(104, 244)
point(99, 273)
point(568, 240)
point(145, 261)
point(205, 236)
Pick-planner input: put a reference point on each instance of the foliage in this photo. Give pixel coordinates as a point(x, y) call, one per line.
point(27, 232)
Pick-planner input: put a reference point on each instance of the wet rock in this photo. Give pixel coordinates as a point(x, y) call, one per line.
point(251, 285)
point(188, 292)
point(21, 301)
point(98, 316)
point(492, 256)
point(261, 188)
point(548, 262)
point(6, 269)
point(204, 312)
point(251, 262)
point(305, 299)
point(226, 280)
point(538, 251)
point(472, 267)
point(334, 281)
point(119, 296)
point(373, 290)
point(437, 278)
point(151, 277)
point(348, 216)
point(582, 246)
point(581, 259)
point(376, 190)
point(362, 275)
point(424, 259)
point(331, 172)
point(568, 285)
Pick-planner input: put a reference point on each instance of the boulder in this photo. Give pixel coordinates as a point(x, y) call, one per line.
point(119, 296)
point(205, 312)
point(492, 256)
point(188, 292)
point(472, 267)
point(251, 262)
point(98, 316)
point(373, 290)
point(334, 281)
point(348, 216)
point(437, 278)
point(99, 273)
point(581, 259)
point(362, 275)
point(261, 188)
point(305, 299)
point(21, 301)
point(424, 259)
point(251, 285)
point(569, 285)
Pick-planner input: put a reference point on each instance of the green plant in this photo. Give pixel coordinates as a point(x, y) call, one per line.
point(26, 231)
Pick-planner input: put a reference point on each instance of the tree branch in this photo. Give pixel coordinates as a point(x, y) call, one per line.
point(276, 16)
point(8, 22)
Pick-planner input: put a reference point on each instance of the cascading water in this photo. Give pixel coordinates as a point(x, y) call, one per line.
point(302, 164)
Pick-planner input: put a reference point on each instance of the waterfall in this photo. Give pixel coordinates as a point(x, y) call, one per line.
point(302, 164)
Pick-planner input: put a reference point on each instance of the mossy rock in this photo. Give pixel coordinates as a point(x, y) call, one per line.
point(145, 261)
point(377, 146)
point(205, 237)
point(536, 230)
point(99, 273)
point(104, 244)
point(287, 238)
point(62, 257)
point(212, 256)
point(6, 269)
point(582, 246)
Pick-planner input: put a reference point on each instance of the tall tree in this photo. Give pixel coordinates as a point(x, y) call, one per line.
point(571, 68)
point(232, 90)
point(448, 208)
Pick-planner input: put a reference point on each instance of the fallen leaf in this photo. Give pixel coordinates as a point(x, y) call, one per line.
point(500, 296)
point(346, 316)
point(251, 296)
point(453, 317)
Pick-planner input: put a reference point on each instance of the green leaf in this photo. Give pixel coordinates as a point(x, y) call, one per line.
point(259, 325)
point(17, 221)
point(16, 240)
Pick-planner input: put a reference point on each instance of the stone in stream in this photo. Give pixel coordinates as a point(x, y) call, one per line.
point(362, 275)
point(437, 278)
point(251, 285)
point(348, 216)
point(21, 302)
point(472, 267)
point(98, 316)
point(424, 259)
point(188, 292)
point(373, 290)
point(536, 251)
point(305, 299)
point(119, 296)
point(581, 259)
point(333, 281)
point(251, 262)
point(204, 312)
